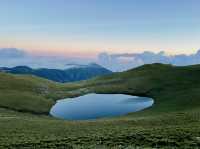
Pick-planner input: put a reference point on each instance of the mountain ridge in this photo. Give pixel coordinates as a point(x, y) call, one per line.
point(58, 75)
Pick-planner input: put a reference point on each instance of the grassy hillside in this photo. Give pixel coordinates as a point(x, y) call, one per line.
point(30, 94)
point(172, 88)
point(173, 121)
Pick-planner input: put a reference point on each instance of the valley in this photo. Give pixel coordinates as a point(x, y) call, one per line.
point(173, 120)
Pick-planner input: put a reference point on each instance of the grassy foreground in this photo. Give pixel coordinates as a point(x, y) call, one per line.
point(173, 121)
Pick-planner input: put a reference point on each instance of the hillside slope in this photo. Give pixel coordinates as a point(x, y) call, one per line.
point(172, 88)
point(30, 94)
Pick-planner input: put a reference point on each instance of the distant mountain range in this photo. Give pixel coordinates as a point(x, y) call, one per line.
point(73, 73)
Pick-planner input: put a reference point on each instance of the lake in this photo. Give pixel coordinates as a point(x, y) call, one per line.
point(94, 106)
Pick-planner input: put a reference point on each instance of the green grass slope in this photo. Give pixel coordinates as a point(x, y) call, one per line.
point(30, 94)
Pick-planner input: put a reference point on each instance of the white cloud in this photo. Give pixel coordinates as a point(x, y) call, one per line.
point(124, 61)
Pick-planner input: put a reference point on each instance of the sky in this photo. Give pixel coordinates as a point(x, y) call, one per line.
point(84, 28)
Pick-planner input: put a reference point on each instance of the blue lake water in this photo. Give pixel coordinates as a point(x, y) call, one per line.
point(93, 106)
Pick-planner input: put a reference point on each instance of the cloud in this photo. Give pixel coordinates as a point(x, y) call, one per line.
point(12, 53)
point(118, 62)
point(124, 61)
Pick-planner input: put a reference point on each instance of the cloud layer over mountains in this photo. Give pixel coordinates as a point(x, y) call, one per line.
point(121, 62)
point(10, 57)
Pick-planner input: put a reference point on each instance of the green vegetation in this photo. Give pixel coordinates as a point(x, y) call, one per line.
point(172, 122)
